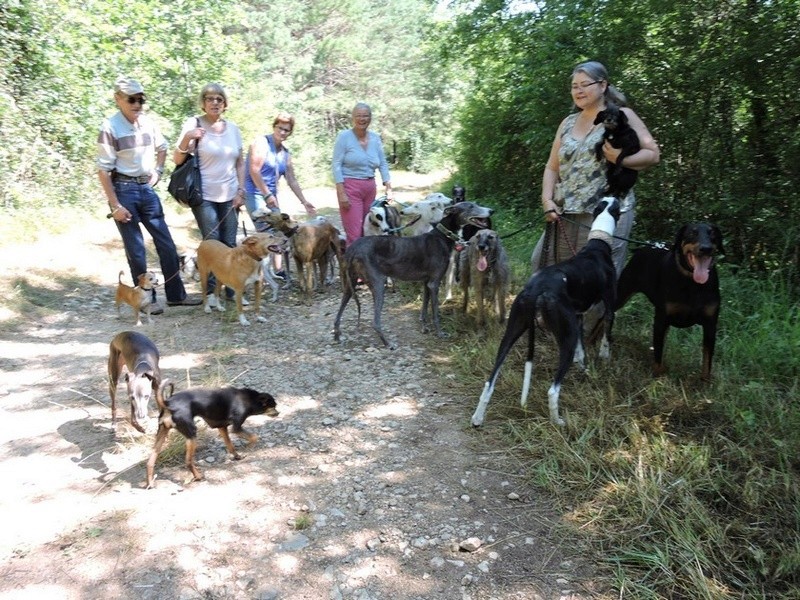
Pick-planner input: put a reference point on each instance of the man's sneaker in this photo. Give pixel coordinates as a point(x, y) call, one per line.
point(187, 301)
point(155, 309)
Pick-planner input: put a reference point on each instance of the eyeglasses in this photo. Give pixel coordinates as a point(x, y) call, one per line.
point(582, 86)
point(285, 130)
point(136, 99)
point(214, 99)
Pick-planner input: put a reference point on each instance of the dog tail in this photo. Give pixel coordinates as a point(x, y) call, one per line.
point(161, 397)
point(119, 278)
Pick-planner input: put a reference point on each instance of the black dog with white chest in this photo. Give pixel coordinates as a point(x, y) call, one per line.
point(683, 286)
point(557, 296)
point(219, 408)
point(623, 137)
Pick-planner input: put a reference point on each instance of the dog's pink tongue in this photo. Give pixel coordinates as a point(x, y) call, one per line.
point(701, 268)
point(482, 264)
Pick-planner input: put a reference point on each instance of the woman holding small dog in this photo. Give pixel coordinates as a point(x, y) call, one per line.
point(357, 153)
point(219, 143)
point(574, 180)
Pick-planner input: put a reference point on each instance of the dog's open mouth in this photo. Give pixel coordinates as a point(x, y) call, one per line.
point(700, 265)
point(481, 222)
point(276, 248)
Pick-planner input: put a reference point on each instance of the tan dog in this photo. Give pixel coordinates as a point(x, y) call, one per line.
point(484, 267)
point(236, 268)
point(138, 297)
point(312, 246)
point(137, 356)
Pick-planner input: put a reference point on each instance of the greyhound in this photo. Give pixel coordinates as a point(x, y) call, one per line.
point(558, 295)
point(419, 258)
point(137, 357)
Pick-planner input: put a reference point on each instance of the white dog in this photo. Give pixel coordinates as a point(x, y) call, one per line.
point(425, 213)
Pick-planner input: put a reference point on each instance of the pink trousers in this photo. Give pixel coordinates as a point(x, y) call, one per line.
point(361, 194)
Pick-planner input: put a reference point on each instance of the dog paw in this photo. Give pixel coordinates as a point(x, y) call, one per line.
point(207, 309)
point(261, 319)
point(220, 307)
point(244, 321)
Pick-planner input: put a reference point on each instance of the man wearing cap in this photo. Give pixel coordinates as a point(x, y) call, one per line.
point(130, 160)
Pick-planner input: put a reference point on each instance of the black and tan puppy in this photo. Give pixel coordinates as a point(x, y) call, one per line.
point(137, 356)
point(682, 285)
point(220, 408)
point(623, 137)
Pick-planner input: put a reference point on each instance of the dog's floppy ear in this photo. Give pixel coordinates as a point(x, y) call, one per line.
point(601, 116)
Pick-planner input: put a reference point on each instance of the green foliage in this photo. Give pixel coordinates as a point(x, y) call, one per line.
point(713, 81)
point(314, 58)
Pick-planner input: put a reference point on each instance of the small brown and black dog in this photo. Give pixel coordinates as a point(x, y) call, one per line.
point(137, 356)
point(219, 408)
point(139, 297)
point(236, 268)
point(311, 247)
point(484, 267)
point(682, 285)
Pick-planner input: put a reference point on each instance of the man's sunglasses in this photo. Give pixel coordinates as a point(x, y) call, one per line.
point(136, 99)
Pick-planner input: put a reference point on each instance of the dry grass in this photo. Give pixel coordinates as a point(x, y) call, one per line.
point(687, 490)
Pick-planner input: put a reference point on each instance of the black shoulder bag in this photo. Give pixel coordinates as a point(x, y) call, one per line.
point(185, 183)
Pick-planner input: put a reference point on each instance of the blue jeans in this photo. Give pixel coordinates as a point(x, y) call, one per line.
point(255, 201)
point(145, 207)
point(217, 221)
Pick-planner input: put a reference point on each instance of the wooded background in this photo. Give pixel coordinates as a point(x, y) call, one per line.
point(478, 85)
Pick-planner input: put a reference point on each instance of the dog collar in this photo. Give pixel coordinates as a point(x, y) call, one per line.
point(449, 234)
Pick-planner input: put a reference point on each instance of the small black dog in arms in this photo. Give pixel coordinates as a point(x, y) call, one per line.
point(623, 137)
point(217, 407)
point(683, 286)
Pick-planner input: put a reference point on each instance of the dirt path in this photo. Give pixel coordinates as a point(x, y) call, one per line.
point(369, 485)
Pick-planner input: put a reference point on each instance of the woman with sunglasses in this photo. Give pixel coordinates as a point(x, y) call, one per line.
point(268, 159)
point(219, 144)
point(574, 180)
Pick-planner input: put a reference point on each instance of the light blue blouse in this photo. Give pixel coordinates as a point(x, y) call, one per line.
point(352, 161)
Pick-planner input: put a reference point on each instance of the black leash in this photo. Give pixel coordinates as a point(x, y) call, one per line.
point(513, 233)
point(656, 245)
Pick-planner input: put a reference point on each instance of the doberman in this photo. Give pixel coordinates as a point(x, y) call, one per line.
point(682, 285)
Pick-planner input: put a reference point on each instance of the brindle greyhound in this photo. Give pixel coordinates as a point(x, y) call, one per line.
point(419, 258)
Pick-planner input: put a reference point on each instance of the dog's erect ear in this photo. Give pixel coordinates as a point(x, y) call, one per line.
point(679, 237)
point(716, 233)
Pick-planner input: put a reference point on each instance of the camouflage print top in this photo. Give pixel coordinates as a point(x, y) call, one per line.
point(582, 177)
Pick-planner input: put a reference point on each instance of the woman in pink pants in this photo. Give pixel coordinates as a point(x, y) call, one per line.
point(356, 155)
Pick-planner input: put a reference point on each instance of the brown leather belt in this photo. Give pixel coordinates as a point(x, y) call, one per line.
point(136, 179)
